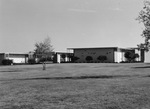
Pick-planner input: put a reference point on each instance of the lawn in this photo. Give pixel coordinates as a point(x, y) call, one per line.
point(75, 86)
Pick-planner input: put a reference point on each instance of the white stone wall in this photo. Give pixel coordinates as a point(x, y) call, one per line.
point(119, 56)
point(147, 57)
point(58, 58)
point(17, 60)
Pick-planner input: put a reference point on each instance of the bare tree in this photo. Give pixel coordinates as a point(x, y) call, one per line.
point(144, 17)
point(44, 48)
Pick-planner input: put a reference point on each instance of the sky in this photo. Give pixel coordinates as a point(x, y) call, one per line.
point(69, 24)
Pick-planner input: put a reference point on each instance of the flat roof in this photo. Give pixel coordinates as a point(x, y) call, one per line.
point(128, 48)
point(94, 48)
point(63, 53)
point(15, 53)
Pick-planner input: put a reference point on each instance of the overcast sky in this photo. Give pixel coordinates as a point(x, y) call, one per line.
point(69, 23)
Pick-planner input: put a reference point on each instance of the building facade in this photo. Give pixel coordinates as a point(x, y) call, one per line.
point(80, 55)
point(62, 57)
point(111, 54)
point(15, 57)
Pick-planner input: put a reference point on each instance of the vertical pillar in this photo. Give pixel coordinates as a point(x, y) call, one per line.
point(142, 55)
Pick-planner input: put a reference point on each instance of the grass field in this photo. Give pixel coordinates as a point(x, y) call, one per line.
point(75, 86)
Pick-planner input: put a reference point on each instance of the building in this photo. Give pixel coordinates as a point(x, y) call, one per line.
point(38, 57)
point(20, 58)
point(62, 57)
point(15, 57)
point(111, 54)
point(79, 55)
point(55, 57)
point(147, 57)
point(2, 57)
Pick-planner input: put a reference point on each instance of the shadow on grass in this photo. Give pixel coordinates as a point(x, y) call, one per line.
point(147, 76)
point(12, 71)
point(142, 67)
point(76, 77)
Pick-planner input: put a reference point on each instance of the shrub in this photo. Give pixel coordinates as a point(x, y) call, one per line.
point(127, 55)
point(31, 61)
point(75, 58)
point(7, 62)
point(130, 56)
point(102, 58)
point(89, 58)
point(136, 55)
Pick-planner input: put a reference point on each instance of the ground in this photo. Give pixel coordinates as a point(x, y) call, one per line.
point(75, 86)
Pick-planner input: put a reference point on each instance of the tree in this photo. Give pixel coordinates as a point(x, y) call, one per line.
point(144, 17)
point(43, 48)
point(7, 62)
point(131, 56)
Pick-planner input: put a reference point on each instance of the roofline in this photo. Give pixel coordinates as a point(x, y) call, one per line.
point(16, 53)
point(94, 48)
point(128, 48)
point(62, 53)
point(2, 53)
